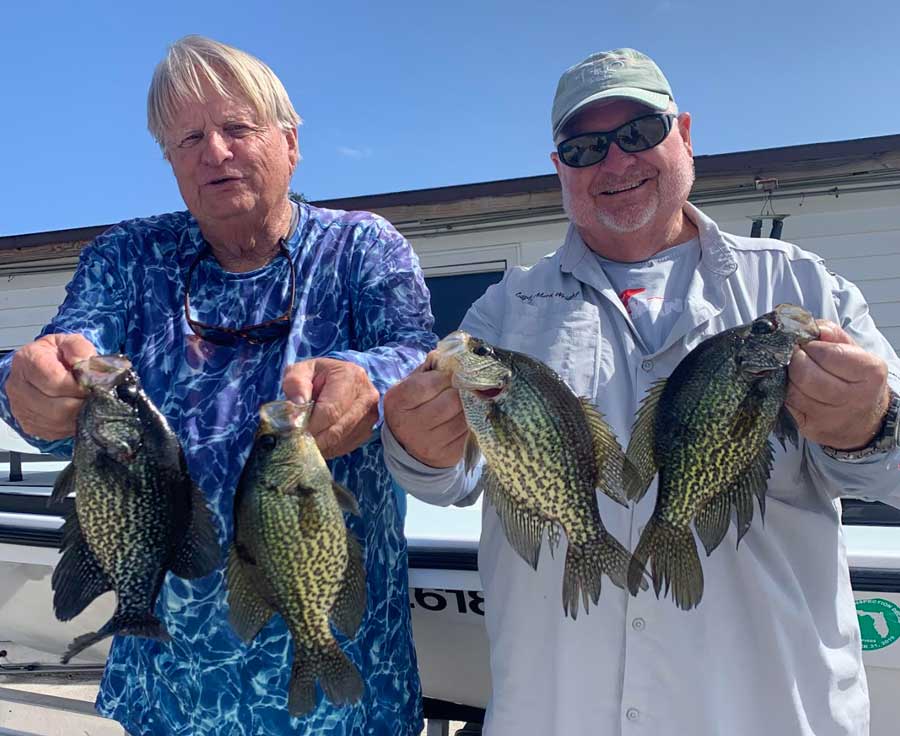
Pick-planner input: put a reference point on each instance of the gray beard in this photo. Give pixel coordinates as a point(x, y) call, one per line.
point(675, 188)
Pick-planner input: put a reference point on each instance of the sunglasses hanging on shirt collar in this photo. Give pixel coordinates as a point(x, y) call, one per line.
point(257, 334)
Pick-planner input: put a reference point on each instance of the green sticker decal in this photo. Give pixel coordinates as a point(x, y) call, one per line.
point(879, 623)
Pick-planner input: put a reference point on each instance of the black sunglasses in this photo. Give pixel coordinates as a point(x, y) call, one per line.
point(640, 134)
point(255, 334)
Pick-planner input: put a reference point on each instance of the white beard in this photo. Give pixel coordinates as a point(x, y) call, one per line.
point(671, 190)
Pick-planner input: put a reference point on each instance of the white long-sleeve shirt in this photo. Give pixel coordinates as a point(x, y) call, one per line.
point(774, 646)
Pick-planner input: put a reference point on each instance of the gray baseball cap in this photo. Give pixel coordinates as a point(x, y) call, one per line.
point(607, 75)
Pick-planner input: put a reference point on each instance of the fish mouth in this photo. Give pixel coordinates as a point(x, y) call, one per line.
point(797, 321)
point(283, 417)
point(482, 381)
point(101, 371)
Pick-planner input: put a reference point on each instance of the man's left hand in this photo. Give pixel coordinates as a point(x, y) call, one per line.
point(838, 392)
point(346, 402)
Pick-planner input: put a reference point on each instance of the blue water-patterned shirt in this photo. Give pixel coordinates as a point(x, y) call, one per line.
point(360, 297)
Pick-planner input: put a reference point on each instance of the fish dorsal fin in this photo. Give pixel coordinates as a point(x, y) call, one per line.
point(350, 604)
point(472, 452)
point(77, 578)
point(640, 458)
point(346, 500)
point(607, 452)
point(522, 527)
point(199, 553)
point(64, 485)
point(248, 612)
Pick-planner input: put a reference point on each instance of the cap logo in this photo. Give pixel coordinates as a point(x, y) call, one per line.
point(604, 69)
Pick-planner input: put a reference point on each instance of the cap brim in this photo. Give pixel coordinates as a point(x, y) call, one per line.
point(656, 100)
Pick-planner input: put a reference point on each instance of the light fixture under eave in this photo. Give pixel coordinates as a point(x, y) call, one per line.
point(767, 185)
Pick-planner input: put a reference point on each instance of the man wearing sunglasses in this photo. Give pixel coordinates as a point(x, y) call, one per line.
point(642, 278)
point(244, 297)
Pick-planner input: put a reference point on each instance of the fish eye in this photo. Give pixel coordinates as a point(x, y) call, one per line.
point(126, 392)
point(482, 350)
point(763, 327)
point(268, 442)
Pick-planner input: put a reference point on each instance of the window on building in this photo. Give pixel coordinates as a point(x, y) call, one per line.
point(453, 294)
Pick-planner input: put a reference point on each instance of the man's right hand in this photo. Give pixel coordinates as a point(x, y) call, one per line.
point(43, 395)
point(425, 415)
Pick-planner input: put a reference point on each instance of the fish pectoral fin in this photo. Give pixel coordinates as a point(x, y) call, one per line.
point(523, 528)
point(248, 612)
point(199, 553)
point(712, 520)
point(64, 485)
point(640, 458)
point(472, 452)
point(607, 452)
point(77, 578)
point(753, 482)
point(786, 428)
point(747, 416)
point(346, 500)
point(350, 604)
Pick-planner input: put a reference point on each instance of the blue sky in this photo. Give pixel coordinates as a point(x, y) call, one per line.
point(407, 95)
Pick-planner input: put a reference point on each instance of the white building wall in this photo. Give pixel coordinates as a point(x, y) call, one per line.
point(858, 233)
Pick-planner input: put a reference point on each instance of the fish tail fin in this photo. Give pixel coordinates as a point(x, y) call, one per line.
point(670, 554)
point(301, 691)
point(340, 680)
point(585, 566)
point(123, 624)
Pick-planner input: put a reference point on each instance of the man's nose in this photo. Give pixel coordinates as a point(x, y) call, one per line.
point(216, 149)
point(617, 161)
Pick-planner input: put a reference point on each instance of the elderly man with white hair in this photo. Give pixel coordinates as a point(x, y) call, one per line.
point(245, 296)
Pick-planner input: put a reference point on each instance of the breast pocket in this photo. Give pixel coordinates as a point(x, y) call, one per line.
point(565, 338)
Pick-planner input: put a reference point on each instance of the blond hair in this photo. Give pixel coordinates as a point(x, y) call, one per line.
point(193, 60)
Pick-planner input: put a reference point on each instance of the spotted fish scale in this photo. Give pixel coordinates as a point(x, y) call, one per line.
point(706, 431)
point(138, 513)
point(293, 555)
point(546, 453)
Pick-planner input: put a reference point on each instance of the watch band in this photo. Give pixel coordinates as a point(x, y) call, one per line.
point(885, 440)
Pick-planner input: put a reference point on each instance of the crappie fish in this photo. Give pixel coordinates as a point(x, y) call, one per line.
point(138, 514)
point(293, 555)
point(546, 452)
point(706, 430)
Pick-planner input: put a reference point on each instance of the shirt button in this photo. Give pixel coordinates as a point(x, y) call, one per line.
point(638, 624)
point(647, 365)
point(632, 714)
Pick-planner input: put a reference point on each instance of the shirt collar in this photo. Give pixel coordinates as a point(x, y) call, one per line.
point(716, 255)
point(299, 218)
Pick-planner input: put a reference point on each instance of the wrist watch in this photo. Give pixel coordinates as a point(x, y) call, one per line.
point(886, 438)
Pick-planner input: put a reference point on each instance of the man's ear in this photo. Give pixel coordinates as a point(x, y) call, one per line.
point(554, 157)
point(293, 147)
point(684, 130)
